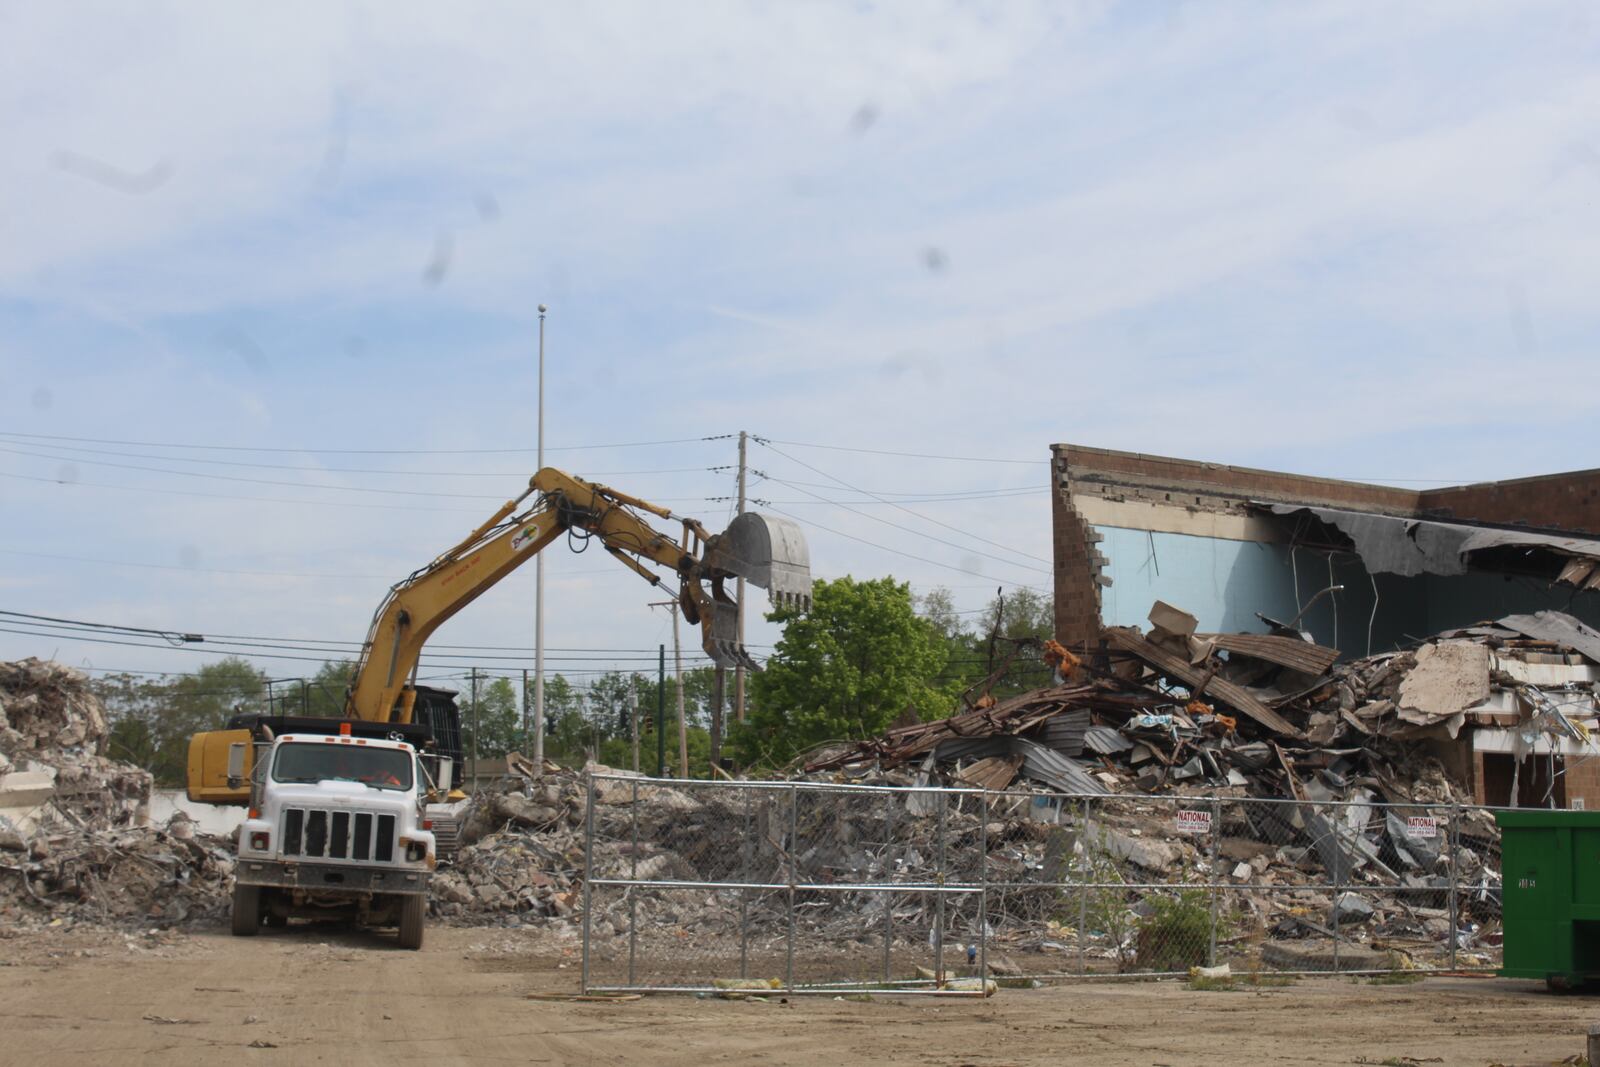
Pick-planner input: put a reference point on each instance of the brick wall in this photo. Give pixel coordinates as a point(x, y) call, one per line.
point(1583, 780)
point(1555, 502)
point(1077, 566)
point(1191, 483)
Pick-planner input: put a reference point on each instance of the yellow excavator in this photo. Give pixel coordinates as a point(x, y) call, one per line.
point(384, 699)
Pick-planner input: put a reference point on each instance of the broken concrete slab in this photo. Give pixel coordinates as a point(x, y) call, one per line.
point(1450, 676)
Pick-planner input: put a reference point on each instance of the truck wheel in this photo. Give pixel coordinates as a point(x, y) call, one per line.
point(412, 910)
point(246, 910)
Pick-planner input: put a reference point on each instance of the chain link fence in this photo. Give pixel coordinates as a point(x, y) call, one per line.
point(810, 887)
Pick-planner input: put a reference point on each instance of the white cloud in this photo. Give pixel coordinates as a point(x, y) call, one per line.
point(1302, 234)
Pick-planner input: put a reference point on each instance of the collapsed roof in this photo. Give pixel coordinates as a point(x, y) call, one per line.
point(1389, 544)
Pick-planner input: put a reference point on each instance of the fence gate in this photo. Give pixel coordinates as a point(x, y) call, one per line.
point(803, 887)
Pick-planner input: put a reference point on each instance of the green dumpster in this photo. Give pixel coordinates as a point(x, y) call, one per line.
point(1550, 865)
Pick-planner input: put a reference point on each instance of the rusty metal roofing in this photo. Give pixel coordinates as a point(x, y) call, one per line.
point(1177, 667)
point(1284, 651)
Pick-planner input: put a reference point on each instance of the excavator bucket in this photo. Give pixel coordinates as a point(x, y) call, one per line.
point(767, 552)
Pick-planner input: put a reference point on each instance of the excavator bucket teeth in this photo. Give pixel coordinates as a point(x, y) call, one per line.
point(721, 637)
point(768, 552)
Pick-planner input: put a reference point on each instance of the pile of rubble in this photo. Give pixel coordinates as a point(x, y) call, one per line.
point(1262, 715)
point(73, 840)
point(522, 857)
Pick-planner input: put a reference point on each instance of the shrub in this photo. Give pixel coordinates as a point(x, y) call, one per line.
point(1177, 934)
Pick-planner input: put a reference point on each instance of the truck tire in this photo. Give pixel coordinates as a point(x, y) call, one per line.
point(413, 908)
point(246, 910)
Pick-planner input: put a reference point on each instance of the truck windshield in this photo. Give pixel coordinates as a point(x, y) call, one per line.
point(382, 768)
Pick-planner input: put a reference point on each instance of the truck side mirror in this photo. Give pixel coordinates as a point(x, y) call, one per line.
point(236, 753)
point(446, 766)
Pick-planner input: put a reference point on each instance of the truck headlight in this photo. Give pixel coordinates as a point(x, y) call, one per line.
point(416, 851)
point(260, 840)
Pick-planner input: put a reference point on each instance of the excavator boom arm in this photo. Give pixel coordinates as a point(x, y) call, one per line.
point(416, 607)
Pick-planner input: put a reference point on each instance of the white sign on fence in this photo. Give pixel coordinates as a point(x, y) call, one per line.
point(1193, 822)
point(1419, 827)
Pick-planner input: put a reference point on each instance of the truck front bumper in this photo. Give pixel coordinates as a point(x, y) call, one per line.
point(331, 877)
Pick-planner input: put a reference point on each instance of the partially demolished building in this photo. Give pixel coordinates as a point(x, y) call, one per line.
point(1485, 592)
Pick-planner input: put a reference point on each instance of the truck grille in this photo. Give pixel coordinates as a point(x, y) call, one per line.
point(337, 834)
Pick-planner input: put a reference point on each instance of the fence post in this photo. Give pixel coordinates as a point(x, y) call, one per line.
point(1338, 868)
point(938, 900)
point(890, 799)
point(588, 878)
point(633, 890)
point(1453, 843)
point(1083, 888)
point(794, 876)
point(983, 891)
point(744, 894)
point(1216, 838)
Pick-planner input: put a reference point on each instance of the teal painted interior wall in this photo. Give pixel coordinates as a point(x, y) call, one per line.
point(1224, 583)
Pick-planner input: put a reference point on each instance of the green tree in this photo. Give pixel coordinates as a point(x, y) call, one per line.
point(494, 723)
point(132, 705)
point(152, 721)
point(567, 729)
point(325, 690)
point(1018, 615)
point(846, 669)
point(938, 606)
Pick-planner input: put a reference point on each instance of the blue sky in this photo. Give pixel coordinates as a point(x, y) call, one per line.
point(1347, 239)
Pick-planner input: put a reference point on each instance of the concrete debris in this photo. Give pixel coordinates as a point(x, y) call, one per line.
point(1265, 715)
point(52, 731)
point(1449, 677)
point(73, 844)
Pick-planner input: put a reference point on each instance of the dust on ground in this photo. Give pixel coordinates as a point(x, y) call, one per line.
point(329, 994)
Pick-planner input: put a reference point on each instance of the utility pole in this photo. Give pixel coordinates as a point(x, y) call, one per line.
point(738, 670)
point(526, 704)
point(538, 589)
point(474, 729)
point(683, 728)
point(661, 711)
point(633, 720)
point(677, 657)
point(716, 719)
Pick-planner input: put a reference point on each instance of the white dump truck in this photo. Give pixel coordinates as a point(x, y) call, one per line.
point(336, 829)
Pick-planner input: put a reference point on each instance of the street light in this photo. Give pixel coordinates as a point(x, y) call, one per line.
point(538, 591)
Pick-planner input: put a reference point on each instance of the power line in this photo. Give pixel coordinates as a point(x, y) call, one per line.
point(429, 661)
point(907, 555)
point(884, 494)
point(144, 490)
point(190, 570)
point(993, 494)
point(908, 511)
point(343, 470)
point(324, 645)
point(251, 481)
point(410, 508)
point(915, 533)
point(906, 455)
point(248, 573)
point(363, 451)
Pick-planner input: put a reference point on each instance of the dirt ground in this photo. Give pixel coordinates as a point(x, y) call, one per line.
point(311, 995)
